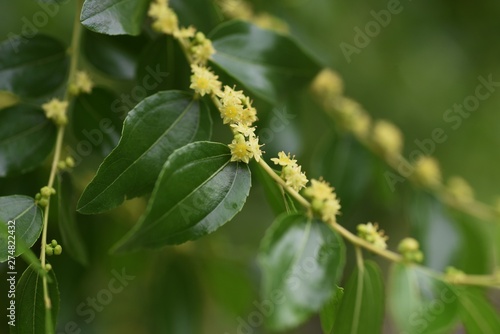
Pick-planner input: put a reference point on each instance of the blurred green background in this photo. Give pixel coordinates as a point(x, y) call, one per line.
point(426, 59)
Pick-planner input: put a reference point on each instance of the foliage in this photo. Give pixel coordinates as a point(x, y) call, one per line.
point(176, 156)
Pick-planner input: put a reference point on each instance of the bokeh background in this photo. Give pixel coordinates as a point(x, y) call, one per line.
point(426, 59)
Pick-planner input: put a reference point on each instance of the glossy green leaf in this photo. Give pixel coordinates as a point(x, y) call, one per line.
point(28, 222)
point(96, 120)
point(301, 261)
point(328, 314)
point(347, 165)
point(476, 313)
point(155, 128)
point(198, 191)
point(163, 66)
point(270, 65)
point(34, 68)
point(201, 14)
point(115, 56)
point(362, 307)
point(31, 315)
point(72, 240)
point(420, 303)
point(114, 17)
point(27, 137)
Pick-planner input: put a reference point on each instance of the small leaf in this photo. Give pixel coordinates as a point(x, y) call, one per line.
point(72, 240)
point(27, 137)
point(34, 67)
point(268, 64)
point(198, 191)
point(114, 17)
point(328, 314)
point(28, 222)
point(301, 261)
point(115, 56)
point(420, 303)
point(362, 307)
point(31, 316)
point(155, 128)
point(477, 313)
point(96, 121)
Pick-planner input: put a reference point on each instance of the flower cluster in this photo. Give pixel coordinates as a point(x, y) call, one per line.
point(204, 81)
point(55, 109)
point(67, 163)
point(291, 172)
point(42, 198)
point(164, 18)
point(410, 249)
point(323, 200)
point(198, 48)
point(427, 172)
point(371, 233)
point(82, 84)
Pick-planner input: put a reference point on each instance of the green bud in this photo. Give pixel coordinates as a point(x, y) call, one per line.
point(61, 165)
point(70, 162)
point(38, 196)
point(317, 205)
point(58, 250)
point(46, 192)
point(53, 243)
point(49, 250)
point(43, 202)
point(48, 267)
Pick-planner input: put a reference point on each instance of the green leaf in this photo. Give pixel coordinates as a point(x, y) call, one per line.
point(275, 195)
point(328, 314)
point(420, 303)
point(72, 240)
point(28, 222)
point(198, 191)
point(155, 128)
point(96, 121)
point(362, 307)
point(31, 316)
point(33, 68)
point(201, 14)
point(301, 261)
point(114, 17)
point(27, 137)
point(476, 312)
point(115, 56)
point(270, 65)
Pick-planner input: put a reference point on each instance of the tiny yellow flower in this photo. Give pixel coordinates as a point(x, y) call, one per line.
point(164, 19)
point(55, 109)
point(204, 81)
point(240, 149)
point(284, 159)
point(427, 171)
point(231, 113)
point(294, 177)
point(371, 233)
point(410, 249)
point(388, 137)
point(82, 84)
point(244, 129)
point(330, 209)
point(237, 9)
point(229, 96)
point(320, 190)
point(253, 144)
point(202, 51)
